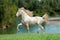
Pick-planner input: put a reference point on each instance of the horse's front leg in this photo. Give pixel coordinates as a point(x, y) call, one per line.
point(27, 27)
point(18, 26)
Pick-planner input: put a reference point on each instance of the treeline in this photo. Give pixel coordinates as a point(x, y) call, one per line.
point(39, 7)
point(8, 9)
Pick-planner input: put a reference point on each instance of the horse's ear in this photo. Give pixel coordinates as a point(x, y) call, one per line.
point(22, 8)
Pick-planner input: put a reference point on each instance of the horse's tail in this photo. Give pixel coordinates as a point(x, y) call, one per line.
point(45, 17)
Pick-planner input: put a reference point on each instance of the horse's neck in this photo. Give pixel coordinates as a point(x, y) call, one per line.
point(24, 15)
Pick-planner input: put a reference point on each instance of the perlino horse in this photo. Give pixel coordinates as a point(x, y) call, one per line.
point(27, 20)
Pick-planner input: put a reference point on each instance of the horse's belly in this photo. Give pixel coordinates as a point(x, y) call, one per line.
point(32, 22)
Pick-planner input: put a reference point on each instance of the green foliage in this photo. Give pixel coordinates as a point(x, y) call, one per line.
point(8, 11)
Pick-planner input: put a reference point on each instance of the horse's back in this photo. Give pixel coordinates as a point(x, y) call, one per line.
point(38, 19)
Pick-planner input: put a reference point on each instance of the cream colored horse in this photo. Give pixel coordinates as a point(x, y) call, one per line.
point(28, 20)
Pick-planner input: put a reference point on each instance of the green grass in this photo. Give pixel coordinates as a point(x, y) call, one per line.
point(30, 37)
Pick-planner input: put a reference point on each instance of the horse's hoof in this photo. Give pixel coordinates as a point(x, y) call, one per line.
point(37, 31)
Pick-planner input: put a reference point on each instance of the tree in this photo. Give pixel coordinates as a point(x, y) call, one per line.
point(8, 10)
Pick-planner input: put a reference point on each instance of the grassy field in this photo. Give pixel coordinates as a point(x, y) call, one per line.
point(30, 37)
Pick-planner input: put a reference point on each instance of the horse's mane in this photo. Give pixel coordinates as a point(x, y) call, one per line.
point(30, 13)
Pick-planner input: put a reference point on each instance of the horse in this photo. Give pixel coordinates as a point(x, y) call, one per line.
point(27, 20)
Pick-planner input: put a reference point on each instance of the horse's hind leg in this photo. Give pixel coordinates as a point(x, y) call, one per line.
point(41, 27)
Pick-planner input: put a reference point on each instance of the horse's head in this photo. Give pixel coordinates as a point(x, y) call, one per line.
point(19, 12)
